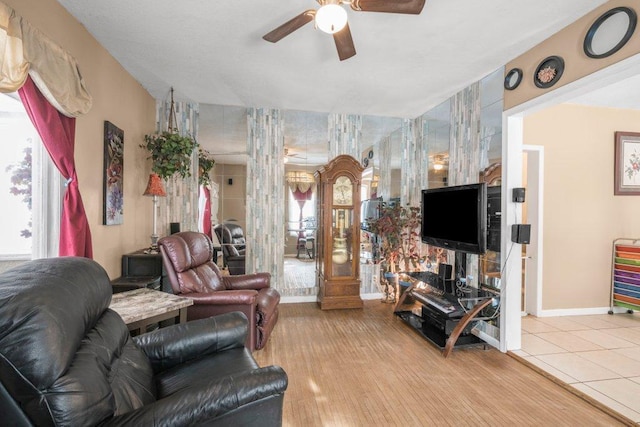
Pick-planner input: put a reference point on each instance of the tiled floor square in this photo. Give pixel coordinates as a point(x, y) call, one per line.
point(629, 334)
point(533, 325)
point(568, 341)
point(577, 367)
point(622, 390)
point(563, 323)
point(551, 370)
point(602, 339)
point(596, 321)
point(616, 362)
point(534, 345)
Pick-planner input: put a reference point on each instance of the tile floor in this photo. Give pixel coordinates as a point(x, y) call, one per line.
point(598, 354)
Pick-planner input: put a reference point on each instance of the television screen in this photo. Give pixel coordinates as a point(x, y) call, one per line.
point(455, 217)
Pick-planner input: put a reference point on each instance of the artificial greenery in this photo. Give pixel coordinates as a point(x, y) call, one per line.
point(170, 153)
point(205, 164)
point(398, 229)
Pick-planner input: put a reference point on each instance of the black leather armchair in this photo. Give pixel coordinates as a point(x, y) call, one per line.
point(231, 237)
point(66, 359)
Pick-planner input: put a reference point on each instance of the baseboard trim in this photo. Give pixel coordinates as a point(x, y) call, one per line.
point(580, 311)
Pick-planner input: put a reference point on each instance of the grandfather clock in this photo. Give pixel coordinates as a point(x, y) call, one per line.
point(338, 254)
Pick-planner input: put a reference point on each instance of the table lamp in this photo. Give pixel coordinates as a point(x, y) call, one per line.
point(155, 189)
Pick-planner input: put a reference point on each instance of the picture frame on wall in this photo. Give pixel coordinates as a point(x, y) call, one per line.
point(113, 203)
point(627, 164)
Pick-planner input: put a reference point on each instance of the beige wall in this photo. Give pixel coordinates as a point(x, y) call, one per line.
point(118, 98)
point(582, 217)
point(233, 197)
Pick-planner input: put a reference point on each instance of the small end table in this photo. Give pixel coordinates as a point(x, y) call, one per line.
point(143, 307)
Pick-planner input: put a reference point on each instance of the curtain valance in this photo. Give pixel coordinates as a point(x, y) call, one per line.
point(300, 181)
point(24, 50)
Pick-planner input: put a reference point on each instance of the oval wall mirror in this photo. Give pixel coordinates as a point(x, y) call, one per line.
point(610, 32)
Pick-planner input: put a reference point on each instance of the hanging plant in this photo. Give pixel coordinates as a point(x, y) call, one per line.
point(170, 153)
point(205, 164)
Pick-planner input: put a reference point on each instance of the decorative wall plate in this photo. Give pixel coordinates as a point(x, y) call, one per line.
point(610, 32)
point(370, 155)
point(513, 79)
point(548, 72)
point(365, 162)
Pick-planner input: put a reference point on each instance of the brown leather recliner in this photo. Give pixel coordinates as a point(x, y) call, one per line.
point(187, 257)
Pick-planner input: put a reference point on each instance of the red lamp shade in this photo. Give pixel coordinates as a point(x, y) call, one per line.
point(154, 186)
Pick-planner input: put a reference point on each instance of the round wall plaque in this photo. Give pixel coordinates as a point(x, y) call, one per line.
point(548, 72)
point(610, 32)
point(513, 79)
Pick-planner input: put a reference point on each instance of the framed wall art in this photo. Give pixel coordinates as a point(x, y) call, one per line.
point(627, 163)
point(113, 175)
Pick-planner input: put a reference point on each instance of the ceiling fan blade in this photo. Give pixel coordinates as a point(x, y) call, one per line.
point(344, 43)
point(290, 26)
point(413, 7)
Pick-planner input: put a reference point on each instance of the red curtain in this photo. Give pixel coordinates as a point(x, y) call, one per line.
point(57, 132)
point(301, 197)
point(205, 226)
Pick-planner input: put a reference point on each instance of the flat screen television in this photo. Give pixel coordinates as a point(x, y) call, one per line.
point(455, 217)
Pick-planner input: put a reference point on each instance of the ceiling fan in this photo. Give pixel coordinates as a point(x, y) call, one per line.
point(288, 155)
point(331, 18)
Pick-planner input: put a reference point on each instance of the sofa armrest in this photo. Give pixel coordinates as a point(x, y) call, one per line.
point(176, 344)
point(238, 297)
point(201, 404)
point(248, 281)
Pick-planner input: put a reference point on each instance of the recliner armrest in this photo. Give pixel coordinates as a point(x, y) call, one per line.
point(176, 344)
point(234, 296)
point(201, 404)
point(248, 281)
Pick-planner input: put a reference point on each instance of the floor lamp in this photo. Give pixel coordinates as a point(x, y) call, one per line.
point(154, 189)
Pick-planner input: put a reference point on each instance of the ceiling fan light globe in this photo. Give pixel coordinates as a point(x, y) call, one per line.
point(331, 18)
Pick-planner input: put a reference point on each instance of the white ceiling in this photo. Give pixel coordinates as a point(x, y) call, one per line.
point(212, 52)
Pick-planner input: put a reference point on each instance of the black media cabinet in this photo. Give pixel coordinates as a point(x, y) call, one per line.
point(432, 323)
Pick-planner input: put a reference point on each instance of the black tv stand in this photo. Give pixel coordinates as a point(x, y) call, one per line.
point(431, 322)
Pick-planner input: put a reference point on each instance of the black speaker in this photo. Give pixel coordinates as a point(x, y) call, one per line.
point(518, 195)
point(444, 271)
point(174, 227)
point(521, 233)
point(230, 181)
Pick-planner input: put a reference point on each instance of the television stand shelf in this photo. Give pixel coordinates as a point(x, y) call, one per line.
point(446, 327)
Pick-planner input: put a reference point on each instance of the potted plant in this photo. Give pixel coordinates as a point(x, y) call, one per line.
point(170, 153)
point(205, 164)
point(398, 228)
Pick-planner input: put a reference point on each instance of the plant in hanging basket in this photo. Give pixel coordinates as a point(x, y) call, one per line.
point(205, 164)
point(170, 153)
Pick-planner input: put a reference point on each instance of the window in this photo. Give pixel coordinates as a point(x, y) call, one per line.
point(30, 189)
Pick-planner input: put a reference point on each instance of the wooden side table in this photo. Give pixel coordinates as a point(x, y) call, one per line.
point(143, 307)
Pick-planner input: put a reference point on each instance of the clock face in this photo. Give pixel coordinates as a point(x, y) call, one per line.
point(343, 191)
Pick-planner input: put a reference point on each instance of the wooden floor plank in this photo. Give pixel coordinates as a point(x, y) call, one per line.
point(367, 367)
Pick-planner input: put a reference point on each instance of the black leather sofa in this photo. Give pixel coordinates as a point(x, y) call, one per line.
point(66, 359)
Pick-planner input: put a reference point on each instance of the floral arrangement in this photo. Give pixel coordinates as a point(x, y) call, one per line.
point(399, 230)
